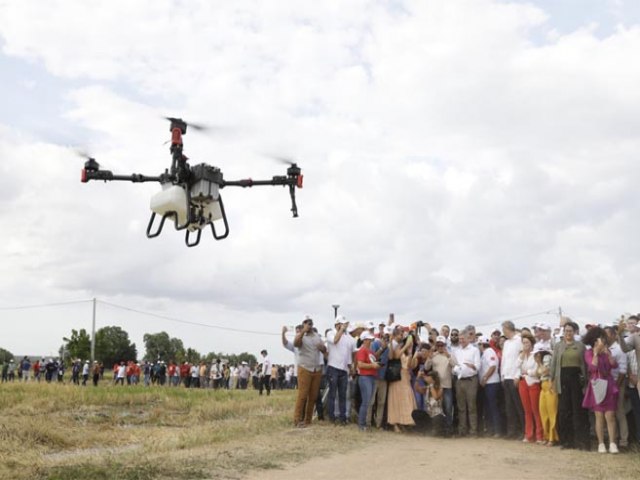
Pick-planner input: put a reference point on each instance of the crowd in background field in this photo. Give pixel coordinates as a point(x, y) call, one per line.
point(540, 385)
point(219, 374)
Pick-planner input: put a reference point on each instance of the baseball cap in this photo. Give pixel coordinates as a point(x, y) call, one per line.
point(369, 325)
point(543, 326)
point(483, 340)
point(355, 326)
point(366, 335)
point(538, 347)
point(340, 319)
point(441, 339)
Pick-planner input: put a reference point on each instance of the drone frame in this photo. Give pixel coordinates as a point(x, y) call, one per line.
point(183, 175)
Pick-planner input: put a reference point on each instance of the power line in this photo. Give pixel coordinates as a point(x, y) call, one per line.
point(43, 305)
point(187, 322)
point(520, 317)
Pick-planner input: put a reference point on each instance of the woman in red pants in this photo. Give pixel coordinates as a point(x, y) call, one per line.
point(529, 389)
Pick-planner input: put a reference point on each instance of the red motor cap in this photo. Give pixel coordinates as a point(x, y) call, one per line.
point(176, 136)
point(300, 178)
point(83, 176)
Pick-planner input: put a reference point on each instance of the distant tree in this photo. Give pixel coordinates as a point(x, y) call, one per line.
point(78, 345)
point(242, 357)
point(232, 358)
point(192, 356)
point(113, 345)
point(5, 355)
point(159, 346)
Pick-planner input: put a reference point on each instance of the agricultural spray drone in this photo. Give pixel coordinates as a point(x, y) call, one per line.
point(190, 196)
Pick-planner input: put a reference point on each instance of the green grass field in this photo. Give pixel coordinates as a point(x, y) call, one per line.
point(52, 431)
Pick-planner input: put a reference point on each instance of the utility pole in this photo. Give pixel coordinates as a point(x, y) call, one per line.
point(335, 310)
point(93, 334)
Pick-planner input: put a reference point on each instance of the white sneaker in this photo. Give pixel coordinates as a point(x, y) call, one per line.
point(602, 448)
point(613, 448)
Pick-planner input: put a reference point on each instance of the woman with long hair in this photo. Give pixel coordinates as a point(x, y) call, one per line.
point(529, 390)
point(431, 419)
point(400, 398)
point(600, 362)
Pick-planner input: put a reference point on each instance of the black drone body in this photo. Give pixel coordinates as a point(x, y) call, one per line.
point(190, 196)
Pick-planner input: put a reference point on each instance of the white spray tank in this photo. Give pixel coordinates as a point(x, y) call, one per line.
point(172, 198)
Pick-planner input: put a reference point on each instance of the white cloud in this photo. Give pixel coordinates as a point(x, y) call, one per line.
point(455, 170)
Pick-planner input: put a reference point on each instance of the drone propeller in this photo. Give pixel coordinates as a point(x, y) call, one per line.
point(283, 159)
point(82, 153)
point(199, 127)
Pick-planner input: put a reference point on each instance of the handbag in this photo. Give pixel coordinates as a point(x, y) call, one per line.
point(394, 367)
point(599, 387)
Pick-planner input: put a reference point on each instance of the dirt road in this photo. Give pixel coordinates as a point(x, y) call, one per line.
point(393, 456)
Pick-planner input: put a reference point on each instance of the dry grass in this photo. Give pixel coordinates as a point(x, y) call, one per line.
point(133, 433)
point(67, 432)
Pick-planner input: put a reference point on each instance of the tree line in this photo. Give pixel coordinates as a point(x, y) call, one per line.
point(113, 345)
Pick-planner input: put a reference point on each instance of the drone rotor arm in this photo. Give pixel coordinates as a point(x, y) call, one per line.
point(107, 175)
point(292, 181)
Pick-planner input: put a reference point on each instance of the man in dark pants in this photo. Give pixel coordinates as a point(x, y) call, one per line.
point(340, 346)
point(568, 374)
point(265, 377)
point(509, 374)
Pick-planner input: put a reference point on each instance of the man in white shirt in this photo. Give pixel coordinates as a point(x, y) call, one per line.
point(508, 373)
point(340, 348)
point(265, 373)
point(467, 366)
point(489, 379)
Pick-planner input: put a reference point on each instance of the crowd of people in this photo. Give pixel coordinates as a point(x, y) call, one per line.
point(541, 385)
point(219, 374)
point(550, 386)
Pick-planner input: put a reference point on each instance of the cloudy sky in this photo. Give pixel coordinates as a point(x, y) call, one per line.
point(465, 161)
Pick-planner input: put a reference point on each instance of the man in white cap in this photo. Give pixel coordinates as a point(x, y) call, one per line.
point(543, 336)
point(340, 349)
point(490, 386)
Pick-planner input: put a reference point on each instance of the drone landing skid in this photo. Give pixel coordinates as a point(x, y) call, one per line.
point(197, 231)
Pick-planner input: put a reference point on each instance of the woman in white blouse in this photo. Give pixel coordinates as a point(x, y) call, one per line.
point(529, 389)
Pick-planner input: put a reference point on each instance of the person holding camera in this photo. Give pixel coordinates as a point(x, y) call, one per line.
point(367, 366)
point(340, 349)
point(309, 345)
point(600, 365)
